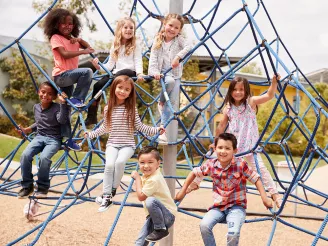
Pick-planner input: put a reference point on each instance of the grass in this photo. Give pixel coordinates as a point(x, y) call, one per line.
point(8, 143)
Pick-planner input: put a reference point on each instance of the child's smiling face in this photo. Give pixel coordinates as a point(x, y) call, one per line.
point(225, 151)
point(148, 164)
point(65, 27)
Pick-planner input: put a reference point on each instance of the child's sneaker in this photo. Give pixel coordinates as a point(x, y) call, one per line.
point(31, 209)
point(70, 144)
point(99, 199)
point(106, 203)
point(41, 193)
point(162, 139)
point(25, 192)
point(77, 103)
point(157, 235)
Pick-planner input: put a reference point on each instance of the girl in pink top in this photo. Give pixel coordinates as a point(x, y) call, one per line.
point(240, 113)
point(62, 29)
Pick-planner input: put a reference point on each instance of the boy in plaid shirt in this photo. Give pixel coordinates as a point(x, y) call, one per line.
point(229, 176)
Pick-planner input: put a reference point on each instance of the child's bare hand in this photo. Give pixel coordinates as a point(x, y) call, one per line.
point(22, 130)
point(161, 130)
point(86, 135)
point(140, 78)
point(89, 50)
point(211, 146)
point(95, 63)
point(180, 195)
point(275, 78)
point(135, 175)
point(175, 62)
point(63, 94)
point(193, 186)
point(75, 40)
point(158, 76)
point(267, 203)
point(61, 98)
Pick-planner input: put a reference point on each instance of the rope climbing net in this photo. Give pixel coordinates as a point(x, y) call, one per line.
point(202, 107)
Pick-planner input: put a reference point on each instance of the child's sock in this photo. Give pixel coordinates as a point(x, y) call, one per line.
point(113, 192)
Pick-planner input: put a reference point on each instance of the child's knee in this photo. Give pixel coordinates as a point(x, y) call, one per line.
point(45, 159)
point(150, 202)
point(89, 72)
point(204, 226)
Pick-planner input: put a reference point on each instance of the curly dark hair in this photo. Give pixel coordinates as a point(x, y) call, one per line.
point(57, 16)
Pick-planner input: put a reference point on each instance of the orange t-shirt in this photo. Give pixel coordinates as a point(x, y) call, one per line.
point(62, 64)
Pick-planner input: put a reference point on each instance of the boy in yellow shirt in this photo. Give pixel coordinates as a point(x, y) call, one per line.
point(156, 198)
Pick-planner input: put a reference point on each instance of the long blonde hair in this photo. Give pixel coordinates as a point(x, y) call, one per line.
point(129, 103)
point(161, 34)
point(130, 44)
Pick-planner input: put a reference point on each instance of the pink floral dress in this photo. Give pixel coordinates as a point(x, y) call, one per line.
point(242, 124)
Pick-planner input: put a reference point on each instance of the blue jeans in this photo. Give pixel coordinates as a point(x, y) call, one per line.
point(159, 218)
point(48, 147)
point(81, 76)
point(172, 87)
point(234, 216)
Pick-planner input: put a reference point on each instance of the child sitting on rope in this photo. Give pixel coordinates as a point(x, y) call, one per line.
point(168, 49)
point(62, 28)
point(121, 119)
point(240, 112)
point(229, 176)
point(125, 59)
point(49, 117)
point(155, 195)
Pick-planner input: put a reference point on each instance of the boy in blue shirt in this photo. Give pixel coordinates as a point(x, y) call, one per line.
point(49, 117)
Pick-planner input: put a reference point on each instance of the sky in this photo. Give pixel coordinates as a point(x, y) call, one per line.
point(301, 24)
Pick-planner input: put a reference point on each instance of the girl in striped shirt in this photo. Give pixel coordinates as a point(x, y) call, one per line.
point(120, 120)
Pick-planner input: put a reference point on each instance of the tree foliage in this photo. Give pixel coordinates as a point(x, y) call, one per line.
point(80, 7)
point(251, 68)
point(20, 85)
point(294, 138)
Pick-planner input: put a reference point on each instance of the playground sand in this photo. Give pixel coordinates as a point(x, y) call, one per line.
point(83, 225)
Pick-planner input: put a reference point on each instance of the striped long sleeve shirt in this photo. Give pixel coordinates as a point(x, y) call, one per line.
point(119, 133)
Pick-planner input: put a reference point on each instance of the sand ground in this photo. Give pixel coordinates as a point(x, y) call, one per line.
point(83, 225)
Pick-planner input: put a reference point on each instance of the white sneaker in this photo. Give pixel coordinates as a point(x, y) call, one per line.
point(160, 108)
point(162, 139)
point(99, 199)
point(106, 203)
point(31, 209)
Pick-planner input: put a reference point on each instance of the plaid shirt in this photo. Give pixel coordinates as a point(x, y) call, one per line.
point(229, 184)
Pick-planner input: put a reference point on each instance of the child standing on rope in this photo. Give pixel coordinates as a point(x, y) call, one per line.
point(229, 176)
point(49, 117)
point(125, 59)
point(62, 28)
point(156, 198)
point(120, 120)
point(168, 49)
point(240, 112)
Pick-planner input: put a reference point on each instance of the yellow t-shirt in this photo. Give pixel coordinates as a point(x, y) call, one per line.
point(155, 186)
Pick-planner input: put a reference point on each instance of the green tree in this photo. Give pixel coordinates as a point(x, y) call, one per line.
point(80, 7)
point(251, 68)
point(296, 142)
point(20, 85)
